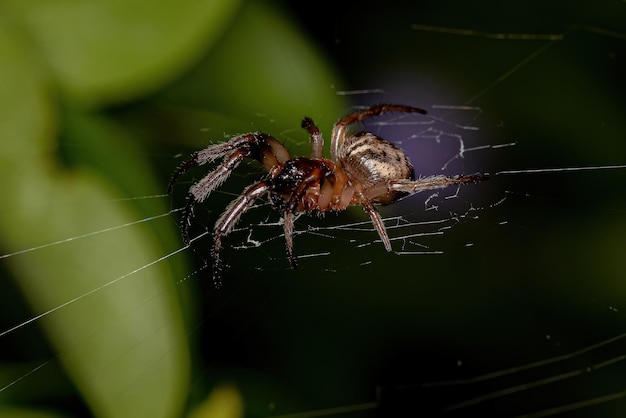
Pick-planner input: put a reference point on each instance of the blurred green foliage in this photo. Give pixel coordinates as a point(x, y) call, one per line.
point(72, 72)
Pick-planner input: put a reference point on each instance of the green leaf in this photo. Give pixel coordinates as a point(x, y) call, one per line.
point(116, 327)
point(265, 72)
point(105, 51)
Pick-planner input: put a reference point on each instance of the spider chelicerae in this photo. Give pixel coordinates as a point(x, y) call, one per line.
point(364, 169)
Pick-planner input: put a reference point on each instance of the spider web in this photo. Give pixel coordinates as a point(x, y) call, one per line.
point(435, 145)
point(500, 298)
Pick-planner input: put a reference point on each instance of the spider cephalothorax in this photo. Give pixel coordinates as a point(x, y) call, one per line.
point(364, 169)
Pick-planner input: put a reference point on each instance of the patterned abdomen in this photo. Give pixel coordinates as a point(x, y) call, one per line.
point(374, 162)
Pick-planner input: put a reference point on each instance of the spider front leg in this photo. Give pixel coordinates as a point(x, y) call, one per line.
point(201, 190)
point(264, 148)
point(182, 169)
point(229, 218)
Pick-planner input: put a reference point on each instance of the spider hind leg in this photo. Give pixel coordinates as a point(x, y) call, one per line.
point(433, 182)
point(339, 129)
point(376, 220)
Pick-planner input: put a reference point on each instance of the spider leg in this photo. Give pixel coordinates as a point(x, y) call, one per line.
point(185, 219)
point(432, 182)
point(264, 148)
point(201, 190)
point(376, 219)
point(291, 207)
point(182, 169)
point(317, 141)
point(229, 218)
point(288, 218)
point(206, 155)
point(339, 130)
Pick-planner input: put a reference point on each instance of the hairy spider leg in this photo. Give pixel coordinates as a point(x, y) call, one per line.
point(201, 190)
point(317, 140)
point(433, 182)
point(257, 143)
point(263, 148)
point(375, 217)
point(229, 218)
point(339, 130)
point(208, 154)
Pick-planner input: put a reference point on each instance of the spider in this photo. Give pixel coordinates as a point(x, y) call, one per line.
point(364, 169)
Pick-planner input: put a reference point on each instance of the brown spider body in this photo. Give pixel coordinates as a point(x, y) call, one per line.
point(364, 170)
point(327, 186)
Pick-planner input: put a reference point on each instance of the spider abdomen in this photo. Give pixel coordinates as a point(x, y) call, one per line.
point(373, 162)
